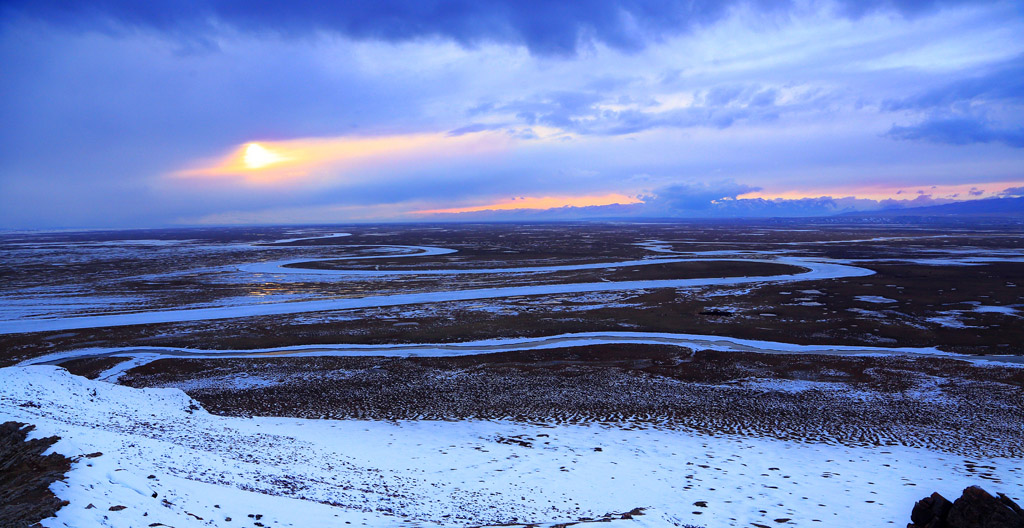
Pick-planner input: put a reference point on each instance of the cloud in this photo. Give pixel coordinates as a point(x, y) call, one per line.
point(985, 108)
point(595, 113)
point(474, 128)
point(1012, 192)
point(1003, 82)
point(683, 197)
point(921, 200)
point(545, 27)
point(859, 8)
point(680, 200)
point(703, 200)
point(103, 101)
point(959, 131)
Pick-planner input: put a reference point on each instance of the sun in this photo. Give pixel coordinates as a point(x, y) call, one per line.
point(257, 157)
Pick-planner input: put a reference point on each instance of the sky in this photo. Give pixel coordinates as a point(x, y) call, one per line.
point(142, 114)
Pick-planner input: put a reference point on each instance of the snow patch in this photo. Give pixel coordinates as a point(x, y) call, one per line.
point(876, 299)
point(168, 461)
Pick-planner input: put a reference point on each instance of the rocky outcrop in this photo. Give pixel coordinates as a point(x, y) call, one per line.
point(976, 508)
point(26, 475)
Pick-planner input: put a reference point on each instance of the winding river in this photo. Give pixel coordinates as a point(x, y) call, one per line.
point(284, 271)
point(814, 270)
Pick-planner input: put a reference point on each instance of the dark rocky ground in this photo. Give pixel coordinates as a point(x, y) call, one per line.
point(943, 404)
point(26, 475)
point(976, 508)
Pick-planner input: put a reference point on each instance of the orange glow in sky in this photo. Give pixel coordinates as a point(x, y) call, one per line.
point(542, 202)
point(281, 161)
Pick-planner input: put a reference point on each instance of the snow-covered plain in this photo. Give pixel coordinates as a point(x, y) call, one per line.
point(167, 461)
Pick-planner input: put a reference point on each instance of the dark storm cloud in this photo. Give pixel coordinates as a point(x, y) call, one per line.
point(545, 27)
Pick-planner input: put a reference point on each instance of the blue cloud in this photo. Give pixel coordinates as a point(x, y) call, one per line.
point(681, 197)
point(589, 113)
point(1003, 82)
point(712, 200)
point(979, 109)
point(474, 128)
point(545, 27)
point(960, 131)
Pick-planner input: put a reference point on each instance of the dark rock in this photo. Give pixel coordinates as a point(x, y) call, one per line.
point(26, 475)
point(930, 512)
point(117, 508)
point(976, 508)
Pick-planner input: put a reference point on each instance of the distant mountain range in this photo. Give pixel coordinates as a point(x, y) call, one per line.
point(985, 207)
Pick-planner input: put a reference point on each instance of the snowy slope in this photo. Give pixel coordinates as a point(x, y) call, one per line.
point(295, 472)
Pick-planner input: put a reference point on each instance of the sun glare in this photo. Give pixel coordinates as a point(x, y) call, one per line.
point(276, 161)
point(257, 157)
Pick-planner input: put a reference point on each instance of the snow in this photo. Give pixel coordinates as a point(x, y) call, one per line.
point(799, 386)
point(277, 266)
point(1008, 310)
point(21, 305)
point(289, 240)
point(948, 319)
point(206, 468)
point(144, 354)
point(874, 299)
point(108, 243)
point(865, 313)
